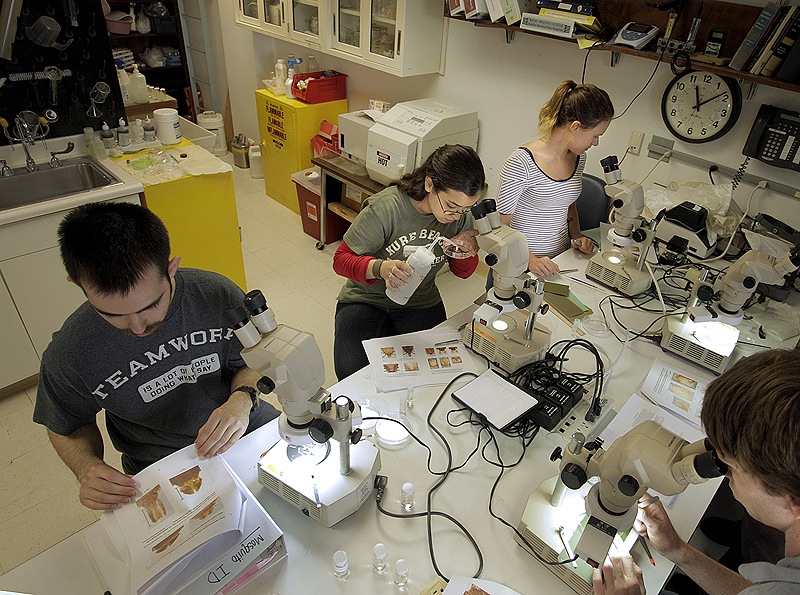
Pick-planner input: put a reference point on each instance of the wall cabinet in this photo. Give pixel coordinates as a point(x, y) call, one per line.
point(375, 33)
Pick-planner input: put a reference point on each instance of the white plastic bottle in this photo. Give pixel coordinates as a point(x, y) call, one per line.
point(149, 130)
point(420, 260)
point(137, 132)
point(137, 87)
point(280, 76)
point(288, 84)
point(124, 84)
point(109, 141)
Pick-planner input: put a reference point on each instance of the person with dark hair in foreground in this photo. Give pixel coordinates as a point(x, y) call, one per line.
point(751, 415)
point(432, 201)
point(149, 346)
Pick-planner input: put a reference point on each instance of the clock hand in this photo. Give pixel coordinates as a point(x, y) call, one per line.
point(711, 99)
point(697, 95)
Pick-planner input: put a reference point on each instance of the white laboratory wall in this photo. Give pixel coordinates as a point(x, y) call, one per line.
point(507, 84)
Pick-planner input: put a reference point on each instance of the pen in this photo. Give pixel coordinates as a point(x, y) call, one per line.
point(695, 25)
point(562, 271)
point(649, 502)
point(258, 567)
point(647, 550)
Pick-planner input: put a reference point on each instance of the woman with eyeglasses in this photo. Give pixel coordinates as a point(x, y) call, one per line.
point(432, 201)
point(541, 180)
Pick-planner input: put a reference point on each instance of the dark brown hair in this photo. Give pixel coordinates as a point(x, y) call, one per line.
point(752, 414)
point(450, 167)
point(572, 102)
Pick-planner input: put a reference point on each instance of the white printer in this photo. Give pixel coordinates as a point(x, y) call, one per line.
point(396, 142)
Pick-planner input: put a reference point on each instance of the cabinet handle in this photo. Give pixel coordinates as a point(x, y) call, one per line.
point(397, 47)
point(334, 25)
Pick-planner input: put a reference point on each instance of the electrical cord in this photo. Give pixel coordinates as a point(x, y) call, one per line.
point(762, 184)
point(664, 155)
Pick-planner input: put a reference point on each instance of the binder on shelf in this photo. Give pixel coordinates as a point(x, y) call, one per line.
point(495, 8)
point(475, 9)
point(771, 39)
point(456, 7)
point(789, 70)
point(549, 25)
point(784, 46)
point(754, 36)
point(589, 21)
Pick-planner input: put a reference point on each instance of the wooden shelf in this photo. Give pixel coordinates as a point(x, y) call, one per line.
point(344, 212)
point(736, 19)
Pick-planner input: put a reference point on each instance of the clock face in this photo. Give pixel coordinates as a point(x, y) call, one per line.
point(698, 107)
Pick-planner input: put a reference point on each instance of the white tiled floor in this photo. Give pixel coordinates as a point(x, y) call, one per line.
point(39, 495)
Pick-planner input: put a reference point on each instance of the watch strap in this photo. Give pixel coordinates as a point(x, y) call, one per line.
point(252, 393)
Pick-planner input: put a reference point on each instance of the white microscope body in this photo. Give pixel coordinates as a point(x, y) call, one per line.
point(621, 266)
point(648, 456)
point(504, 327)
point(291, 364)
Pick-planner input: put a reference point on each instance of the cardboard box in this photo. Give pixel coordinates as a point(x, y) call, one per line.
point(352, 196)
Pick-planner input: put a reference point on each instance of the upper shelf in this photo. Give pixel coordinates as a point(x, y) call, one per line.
point(735, 18)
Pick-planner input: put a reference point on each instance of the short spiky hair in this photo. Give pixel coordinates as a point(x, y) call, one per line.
point(110, 246)
point(752, 414)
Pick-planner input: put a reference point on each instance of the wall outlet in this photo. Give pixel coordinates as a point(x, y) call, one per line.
point(635, 143)
point(436, 587)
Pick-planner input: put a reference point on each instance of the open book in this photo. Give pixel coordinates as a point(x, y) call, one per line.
point(192, 523)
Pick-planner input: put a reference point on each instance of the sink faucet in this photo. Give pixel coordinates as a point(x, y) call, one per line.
point(54, 162)
point(29, 127)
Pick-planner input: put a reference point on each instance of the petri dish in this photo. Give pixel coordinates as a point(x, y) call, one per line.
point(369, 408)
point(594, 324)
point(457, 249)
point(392, 435)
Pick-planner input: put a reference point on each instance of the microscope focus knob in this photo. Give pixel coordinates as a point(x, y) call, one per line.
point(573, 476)
point(544, 308)
point(617, 204)
point(639, 235)
point(521, 300)
point(491, 259)
point(628, 485)
point(705, 293)
point(355, 436)
point(320, 431)
point(749, 282)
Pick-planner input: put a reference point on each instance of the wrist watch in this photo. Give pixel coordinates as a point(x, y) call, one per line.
point(252, 393)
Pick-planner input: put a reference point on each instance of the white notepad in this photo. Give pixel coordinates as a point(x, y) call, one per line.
point(501, 402)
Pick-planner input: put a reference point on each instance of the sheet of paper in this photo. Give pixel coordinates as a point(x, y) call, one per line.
point(461, 585)
point(425, 358)
point(497, 399)
point(637, 410)
point(676, 390)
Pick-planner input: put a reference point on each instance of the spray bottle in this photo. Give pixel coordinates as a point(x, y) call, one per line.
point(420, 260)
point(290, 75)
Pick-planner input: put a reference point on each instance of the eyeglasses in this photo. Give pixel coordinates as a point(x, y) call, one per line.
point(451, 211)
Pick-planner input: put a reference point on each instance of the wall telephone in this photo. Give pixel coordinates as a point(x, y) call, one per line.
point(775, 137)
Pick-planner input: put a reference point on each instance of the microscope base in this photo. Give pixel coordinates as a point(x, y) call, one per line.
point(508, 348)
point(617, 269)
point(303, 486)
point(540, 524)
point(707, 344)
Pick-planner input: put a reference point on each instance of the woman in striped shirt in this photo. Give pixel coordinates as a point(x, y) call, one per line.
point(541, 180)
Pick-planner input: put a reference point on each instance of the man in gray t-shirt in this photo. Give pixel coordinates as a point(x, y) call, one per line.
point(149, 346)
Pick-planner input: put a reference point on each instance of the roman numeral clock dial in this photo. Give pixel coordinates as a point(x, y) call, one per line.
point(698, 107)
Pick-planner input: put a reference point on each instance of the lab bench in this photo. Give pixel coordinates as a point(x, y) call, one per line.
point(339, 176)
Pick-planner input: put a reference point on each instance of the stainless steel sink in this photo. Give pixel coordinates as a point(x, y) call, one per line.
point(77, 175)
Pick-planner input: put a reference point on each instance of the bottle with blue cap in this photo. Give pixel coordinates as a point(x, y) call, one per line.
point(291, 63)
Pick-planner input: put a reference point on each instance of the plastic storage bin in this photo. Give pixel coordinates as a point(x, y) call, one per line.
point(308, 183)
point(320, 89)
point(197, 134)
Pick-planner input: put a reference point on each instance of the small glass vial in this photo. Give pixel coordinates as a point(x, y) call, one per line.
point(401, 573)
point(379, 554)
point(340, 568)
point(407, 496)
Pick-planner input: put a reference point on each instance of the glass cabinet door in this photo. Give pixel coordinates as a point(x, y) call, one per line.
point(249, 8)
point(383, 34)
point(273, 13)
point(347, 25)
point(305, 19)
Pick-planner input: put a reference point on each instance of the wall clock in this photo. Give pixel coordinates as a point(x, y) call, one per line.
point(698, 106)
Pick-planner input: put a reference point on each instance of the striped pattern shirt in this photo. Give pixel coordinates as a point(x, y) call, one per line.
point(537, 203)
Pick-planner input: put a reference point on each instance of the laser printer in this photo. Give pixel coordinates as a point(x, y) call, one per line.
point(394, 143)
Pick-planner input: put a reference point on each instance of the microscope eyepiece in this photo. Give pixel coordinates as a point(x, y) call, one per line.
point(255, 301)
point(610, 163)
point(708, 465)
point(237, 317)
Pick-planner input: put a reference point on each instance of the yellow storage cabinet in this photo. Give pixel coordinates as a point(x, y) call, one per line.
point(286, 126)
